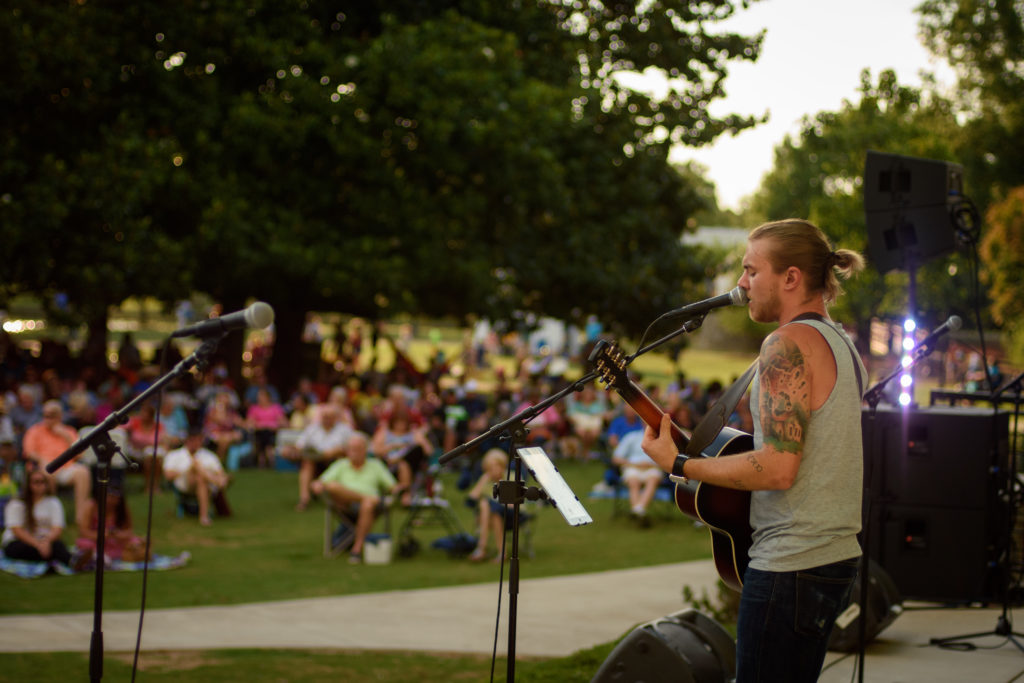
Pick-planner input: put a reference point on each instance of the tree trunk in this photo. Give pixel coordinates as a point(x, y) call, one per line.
point(286, 361)
point(94, 354)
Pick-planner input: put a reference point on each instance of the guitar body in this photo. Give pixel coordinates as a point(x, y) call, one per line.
point(726, 512)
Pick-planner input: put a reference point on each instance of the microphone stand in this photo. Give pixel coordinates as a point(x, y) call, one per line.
point(873, 397)
point(99, 440)
point(514, 492)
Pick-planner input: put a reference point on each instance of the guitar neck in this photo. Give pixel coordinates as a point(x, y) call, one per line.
point(649, 412)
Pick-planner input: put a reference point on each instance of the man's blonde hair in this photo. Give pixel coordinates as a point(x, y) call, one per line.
point(801, 244)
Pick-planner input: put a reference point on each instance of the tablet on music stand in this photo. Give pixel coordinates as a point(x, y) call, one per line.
point(559, 493)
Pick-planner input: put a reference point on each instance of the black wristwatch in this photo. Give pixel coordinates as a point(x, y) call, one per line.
point(677, 469)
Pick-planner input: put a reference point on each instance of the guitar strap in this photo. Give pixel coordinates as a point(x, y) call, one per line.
point(715, 420)
point(718, 415)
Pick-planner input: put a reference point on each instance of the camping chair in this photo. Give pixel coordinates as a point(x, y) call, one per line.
point(426, 511)
point(340, 524)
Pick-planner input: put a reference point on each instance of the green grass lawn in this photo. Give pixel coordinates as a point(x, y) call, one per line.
point(267, 551)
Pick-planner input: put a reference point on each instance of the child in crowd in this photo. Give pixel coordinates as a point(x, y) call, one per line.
point(492, 514)
point(120, 541)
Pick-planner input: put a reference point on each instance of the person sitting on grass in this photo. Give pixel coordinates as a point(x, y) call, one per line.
point(35, 523)
point(120, 541)
point(194, 470)
point(492, 515)
point(356, 481)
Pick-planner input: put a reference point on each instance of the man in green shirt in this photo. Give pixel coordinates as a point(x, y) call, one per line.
point(357, 482)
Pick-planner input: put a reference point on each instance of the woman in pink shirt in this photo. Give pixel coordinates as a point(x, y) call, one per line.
point(263, 419)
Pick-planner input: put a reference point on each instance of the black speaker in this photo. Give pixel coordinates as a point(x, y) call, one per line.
point(940, 554)
point(937, 504)
point(940, 456)
point(685, 647)
point(907, 207)
point(883, 605)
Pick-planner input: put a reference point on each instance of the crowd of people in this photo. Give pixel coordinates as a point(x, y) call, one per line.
point(207, 427)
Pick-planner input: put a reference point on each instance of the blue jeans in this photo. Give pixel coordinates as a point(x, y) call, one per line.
point(785, 621)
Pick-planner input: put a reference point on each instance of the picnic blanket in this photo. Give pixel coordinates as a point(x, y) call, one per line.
point(33, 570)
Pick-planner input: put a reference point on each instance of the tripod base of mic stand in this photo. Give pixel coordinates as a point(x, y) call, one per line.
point(1002, 630)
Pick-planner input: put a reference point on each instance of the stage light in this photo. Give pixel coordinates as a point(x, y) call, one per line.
point(907, 378)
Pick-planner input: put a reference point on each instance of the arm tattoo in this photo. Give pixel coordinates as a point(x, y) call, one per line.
point(752, 459)
point(785, 395)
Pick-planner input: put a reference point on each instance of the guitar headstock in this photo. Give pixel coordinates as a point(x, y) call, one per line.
point(610, 363)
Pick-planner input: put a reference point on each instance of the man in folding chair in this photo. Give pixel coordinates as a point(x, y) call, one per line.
point(358, 483)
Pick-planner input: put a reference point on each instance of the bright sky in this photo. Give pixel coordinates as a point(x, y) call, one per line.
point(811, 60)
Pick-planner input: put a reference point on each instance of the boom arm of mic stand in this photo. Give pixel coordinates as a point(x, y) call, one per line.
point(198, 357)
point(689, 326)
point(520, 418)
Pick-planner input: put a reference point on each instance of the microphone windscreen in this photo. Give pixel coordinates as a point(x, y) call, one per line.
point(739, 296)
point(955, 323)
point(259, 315)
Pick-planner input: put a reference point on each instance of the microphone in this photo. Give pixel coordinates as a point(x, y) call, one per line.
point(256, 317)
point(954, 323)
point(735, 297)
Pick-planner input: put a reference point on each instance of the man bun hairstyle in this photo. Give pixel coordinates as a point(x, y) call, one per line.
point(794, 242)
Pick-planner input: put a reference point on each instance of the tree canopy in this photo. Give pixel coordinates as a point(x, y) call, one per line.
point(444, 158)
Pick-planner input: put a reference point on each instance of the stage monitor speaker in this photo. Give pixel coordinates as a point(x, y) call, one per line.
point(937, 457)
point(938, 477)
point(685, 647)
point(939, 554)
point(907, 208)
point(883, 605)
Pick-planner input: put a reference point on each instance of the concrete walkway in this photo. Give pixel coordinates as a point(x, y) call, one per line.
point(556, 616)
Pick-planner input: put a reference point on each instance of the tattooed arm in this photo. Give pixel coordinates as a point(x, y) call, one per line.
point(785, 403)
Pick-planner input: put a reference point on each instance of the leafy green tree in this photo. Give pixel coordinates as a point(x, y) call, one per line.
point(984, 42)
point(441, 158)
point(1002, 248)
point(819, 176)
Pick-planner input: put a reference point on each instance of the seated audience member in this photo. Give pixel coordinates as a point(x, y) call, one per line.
point(223, 425)
point(263, 418)
point(25, 411)
point(356, 480)
point(35, 523)
point(300, 412)
point(45, 441)
point(317, 445)
point(142, 431)
point(403, 448)
point(639, 473)
point(626, 421)
point(586, 413)
point(194, 470)
point(338, 399)
point(259, 382)
point(120, 541)
point(492, 515)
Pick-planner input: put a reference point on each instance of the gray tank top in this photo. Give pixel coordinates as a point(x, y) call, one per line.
point(816, 521)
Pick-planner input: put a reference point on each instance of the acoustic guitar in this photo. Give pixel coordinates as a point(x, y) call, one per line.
point(725, 512)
